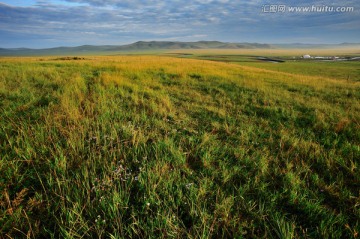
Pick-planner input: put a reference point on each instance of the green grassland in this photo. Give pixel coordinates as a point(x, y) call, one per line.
point(345, 70)
point(333, 69)
point(164, 147)
point(292, 62)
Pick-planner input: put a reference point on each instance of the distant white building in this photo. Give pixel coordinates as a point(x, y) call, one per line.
point(306, 56)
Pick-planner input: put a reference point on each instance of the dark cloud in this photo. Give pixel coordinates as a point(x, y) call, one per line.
point(75, 22)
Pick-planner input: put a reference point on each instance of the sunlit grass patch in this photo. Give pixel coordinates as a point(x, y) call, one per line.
point(150, 146)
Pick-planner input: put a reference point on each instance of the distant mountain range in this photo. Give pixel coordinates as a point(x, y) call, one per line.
point(155, 45)
point(316, 46)
point(137, 46)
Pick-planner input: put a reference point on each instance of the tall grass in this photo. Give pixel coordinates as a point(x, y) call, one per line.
point(156, 147)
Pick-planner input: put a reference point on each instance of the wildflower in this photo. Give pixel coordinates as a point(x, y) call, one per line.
point(148, 204)
point(188, 185)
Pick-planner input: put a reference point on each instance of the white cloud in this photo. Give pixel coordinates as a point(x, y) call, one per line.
point(113, 20)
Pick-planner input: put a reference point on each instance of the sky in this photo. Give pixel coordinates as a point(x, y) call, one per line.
point(53, 23)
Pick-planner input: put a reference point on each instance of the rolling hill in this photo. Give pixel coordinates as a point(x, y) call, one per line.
point(137, 46)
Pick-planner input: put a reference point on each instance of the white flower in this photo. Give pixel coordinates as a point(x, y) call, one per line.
point(189, 185)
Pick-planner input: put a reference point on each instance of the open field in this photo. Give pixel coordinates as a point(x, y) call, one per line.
point(271, 52)
point(293, 64)
point(164, 147)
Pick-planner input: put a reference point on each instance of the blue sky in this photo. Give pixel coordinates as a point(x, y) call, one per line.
point(51, 23)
